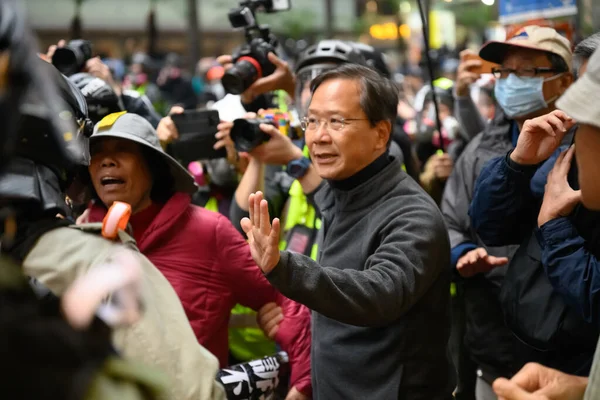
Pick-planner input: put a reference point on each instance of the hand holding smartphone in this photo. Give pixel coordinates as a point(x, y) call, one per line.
point(485, 67)
point(197, 130)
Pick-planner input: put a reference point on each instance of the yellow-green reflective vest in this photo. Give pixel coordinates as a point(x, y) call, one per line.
point(300, 213)
point(212, 204)
point(443, 83)
point(248, 344)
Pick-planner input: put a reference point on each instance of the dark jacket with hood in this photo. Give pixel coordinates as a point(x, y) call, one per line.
point(379, 290)
point(490, 343)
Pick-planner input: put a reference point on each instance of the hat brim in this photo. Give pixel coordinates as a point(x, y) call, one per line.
point(578, 102)
point(495, 51)
point(183, 180)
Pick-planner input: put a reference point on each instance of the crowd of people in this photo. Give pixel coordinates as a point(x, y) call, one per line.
point(390, 236)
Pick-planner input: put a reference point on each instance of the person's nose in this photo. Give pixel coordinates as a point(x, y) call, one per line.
point(108, 161)
point(321, 134)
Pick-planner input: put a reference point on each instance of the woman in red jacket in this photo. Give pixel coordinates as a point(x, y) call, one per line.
point(199, 251)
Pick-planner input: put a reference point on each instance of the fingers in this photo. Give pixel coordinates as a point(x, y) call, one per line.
point(266, 311)
point(50, 52)
point(224, 126)
point(562, 115)
point(562, 165)
point(225, 59)
point(269, 129)
point(251, 207)
point(470, 65)
point(246, 224)
point(250, 115)
point(480, 253)
point(469, 77)
point(166, 130)
point(556, 123)
point(257, 220)
point(568, 158)
point(220, 144)
point(278, 62)
point(176, 110)
point(275, 232)
point(496, 261)
point(269, 317)
point(265, 223)
point(528, 377)
point(466, 54)
point(511, 391)
point(84, 217)
point(541, 124)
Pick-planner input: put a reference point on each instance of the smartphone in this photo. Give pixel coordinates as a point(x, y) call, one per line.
point(486, 66)
point(197, 130)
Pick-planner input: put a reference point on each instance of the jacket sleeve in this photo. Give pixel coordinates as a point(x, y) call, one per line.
point(411, 255)
point(503, 207)
point(455, 206)
point(252, 290)
point(236, 214)
point(468, 117)
point(573, 271)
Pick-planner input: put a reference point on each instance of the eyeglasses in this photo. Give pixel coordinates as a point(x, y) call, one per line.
point(336, 124)
point(503, 73)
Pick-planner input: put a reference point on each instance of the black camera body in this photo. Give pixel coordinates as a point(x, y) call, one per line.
point(71, 59)
point(247, 135)
point(251, 61)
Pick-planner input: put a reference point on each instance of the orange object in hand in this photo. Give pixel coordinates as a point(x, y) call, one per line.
point(116, 220)
point(486, 66)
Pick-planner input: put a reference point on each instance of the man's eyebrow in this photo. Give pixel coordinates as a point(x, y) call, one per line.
point(325, 112)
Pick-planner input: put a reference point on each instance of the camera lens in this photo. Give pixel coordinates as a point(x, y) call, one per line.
point(246, 133)
point(65, 60)
point(239, 77)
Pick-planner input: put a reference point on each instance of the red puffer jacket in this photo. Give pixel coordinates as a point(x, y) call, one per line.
point(209, 265)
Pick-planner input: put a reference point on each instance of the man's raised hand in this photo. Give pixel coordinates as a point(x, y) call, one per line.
point(263, 237)
point(540, 137)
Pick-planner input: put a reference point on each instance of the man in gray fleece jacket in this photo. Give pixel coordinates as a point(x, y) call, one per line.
point(380, 289)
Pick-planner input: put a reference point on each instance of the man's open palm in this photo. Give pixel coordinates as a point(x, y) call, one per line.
point(262, 237)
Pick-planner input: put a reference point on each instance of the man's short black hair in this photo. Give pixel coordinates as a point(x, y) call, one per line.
point(584, 50)
point(378, 95)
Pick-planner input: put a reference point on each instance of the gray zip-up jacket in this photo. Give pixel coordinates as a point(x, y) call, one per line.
point(379, 292)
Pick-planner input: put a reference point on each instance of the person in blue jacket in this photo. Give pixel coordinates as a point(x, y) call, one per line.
point(528, 189)
point(536, 381)
point(536, 61)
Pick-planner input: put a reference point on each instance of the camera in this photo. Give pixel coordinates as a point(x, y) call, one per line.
point(251, 61)
point(247, 135)
point(71, 59)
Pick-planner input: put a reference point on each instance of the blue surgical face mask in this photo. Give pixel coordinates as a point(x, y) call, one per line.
point(520, 96)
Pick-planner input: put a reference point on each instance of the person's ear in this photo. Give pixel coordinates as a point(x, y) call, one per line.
point(384, 130)
point(566, 80)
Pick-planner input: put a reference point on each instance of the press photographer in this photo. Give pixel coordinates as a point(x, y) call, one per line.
point(255, 68)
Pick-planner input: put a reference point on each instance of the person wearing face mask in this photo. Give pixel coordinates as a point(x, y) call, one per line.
point(535, 70)
point(529, 197)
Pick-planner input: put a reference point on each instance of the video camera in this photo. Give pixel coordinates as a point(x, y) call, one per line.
point(71, 59)
point(251, 61)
